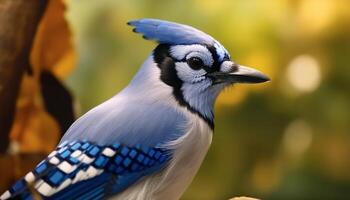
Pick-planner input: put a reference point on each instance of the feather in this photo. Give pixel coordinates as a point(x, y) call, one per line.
point(170, 32)
point(165, 32)
point(95, 172)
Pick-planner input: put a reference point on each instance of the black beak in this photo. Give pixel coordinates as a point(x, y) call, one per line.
point(241, 74)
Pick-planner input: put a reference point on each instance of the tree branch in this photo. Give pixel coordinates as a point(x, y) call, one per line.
point(19, 20)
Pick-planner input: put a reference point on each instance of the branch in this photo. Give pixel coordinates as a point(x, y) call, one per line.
point(19, 20)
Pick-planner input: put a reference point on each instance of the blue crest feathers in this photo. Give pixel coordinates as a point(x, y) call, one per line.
point(166, 32)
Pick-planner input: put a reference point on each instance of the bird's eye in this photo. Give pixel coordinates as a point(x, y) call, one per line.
point(195, 63)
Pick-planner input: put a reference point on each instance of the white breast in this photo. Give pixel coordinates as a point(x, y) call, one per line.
point(170, 184)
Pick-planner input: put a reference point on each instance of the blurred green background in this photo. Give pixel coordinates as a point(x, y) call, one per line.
point(286, 139)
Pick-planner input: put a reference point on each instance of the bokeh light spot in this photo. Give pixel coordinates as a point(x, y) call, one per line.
point(304, 74)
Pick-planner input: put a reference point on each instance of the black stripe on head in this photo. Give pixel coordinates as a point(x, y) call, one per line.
point(216, 64)
point(168, 75)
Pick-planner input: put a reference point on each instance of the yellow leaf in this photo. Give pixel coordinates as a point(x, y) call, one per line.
point(53, 40)
point(34, 129)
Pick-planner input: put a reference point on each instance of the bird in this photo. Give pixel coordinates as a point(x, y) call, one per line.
point(149, 140)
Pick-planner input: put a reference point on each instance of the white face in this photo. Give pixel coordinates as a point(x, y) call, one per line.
point(192, 64)
point(192, 59)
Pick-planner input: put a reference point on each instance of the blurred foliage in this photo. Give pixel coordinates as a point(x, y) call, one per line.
point(287, 139)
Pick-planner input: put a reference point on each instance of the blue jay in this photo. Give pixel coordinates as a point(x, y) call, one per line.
point(149, 140)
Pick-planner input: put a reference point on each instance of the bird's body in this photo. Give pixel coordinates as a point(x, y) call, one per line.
point(149, 140)
point(190, 140)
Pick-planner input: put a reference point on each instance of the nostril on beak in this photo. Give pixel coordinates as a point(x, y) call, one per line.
point(234, 67)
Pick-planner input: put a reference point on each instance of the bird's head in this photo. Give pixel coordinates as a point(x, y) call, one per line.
point(193, 63)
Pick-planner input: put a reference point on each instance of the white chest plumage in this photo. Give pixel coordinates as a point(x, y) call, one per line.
point(171, 182)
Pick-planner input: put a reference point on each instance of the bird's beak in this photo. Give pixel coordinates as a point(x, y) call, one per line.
point(240, 74)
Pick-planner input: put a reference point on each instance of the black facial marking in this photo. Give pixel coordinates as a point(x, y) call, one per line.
point(216, 64)
point(169, 76)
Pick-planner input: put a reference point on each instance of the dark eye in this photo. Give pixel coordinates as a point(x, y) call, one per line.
point(195, 63)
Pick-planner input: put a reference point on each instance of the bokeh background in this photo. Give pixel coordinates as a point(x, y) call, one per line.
point(286, 139)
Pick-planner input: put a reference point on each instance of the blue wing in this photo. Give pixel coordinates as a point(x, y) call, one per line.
point(82, 170)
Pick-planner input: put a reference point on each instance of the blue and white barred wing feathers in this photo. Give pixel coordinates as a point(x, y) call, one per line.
point(82, 170)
